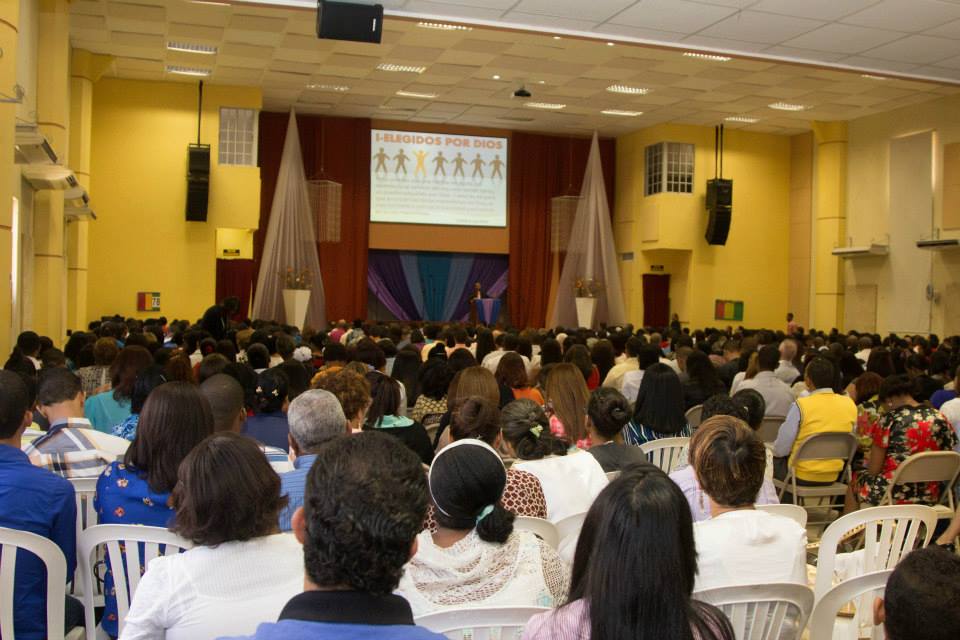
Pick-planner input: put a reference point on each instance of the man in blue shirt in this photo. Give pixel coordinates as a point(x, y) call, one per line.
point(315, 417)
point(34, 500)
point(366, 497)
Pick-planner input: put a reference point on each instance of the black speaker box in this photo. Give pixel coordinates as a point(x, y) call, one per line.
point(718, 226)
point(198, 182)
point(349, 21)
point(719, 193)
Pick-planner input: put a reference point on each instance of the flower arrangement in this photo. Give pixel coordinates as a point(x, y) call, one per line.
point(293, 279)
point(587, 287)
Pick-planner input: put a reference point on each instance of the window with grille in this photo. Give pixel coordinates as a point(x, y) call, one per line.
point(238, 136)
point(669, 167)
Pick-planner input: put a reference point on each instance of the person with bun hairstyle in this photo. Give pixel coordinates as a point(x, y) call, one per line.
point(269, 425)
point(475, 557)
point(607, 413)
point(571, 478)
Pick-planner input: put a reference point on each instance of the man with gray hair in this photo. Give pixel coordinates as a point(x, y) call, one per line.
point(786, 371)
point(315, 417)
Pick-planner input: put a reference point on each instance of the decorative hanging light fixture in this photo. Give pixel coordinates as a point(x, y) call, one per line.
point(326, 198)
point(563, 209)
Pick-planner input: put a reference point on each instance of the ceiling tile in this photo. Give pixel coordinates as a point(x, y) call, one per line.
point(587, 11)
point(437, 9)
point(948, 30)
point(672, 15)
point(843, 38)
point(754, 26)
point(917, 49)
point(905, 15)
point(814, 9)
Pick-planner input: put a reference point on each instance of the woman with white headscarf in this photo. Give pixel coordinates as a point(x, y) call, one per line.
point(475, 558)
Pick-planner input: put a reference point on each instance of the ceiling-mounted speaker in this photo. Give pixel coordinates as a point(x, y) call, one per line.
point(349, 21)
point(718, 225)
point(198, 182)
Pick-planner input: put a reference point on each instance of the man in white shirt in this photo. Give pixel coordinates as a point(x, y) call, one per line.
point(740, 545)
point(786, 371)
point(866, 346)
point(614, 377)
point(775, 392)
point(509, 343)
point(649, 355)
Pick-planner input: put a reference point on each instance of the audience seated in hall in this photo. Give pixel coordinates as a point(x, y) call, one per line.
point(614, 377)
point(111, 407)
point(648, 356)
point(475, 558)
point(634, 569)
point(97, 376)
point(71, 447)
point(35, 500)
point(776, 393)
point(566, 395)
point(384, 414)
point(241, 570)
point(607, 413)
point(433, 381)
point(353, 572)
point(351, 389)
point(659, 409)
point(147, 380)
point(269, 425)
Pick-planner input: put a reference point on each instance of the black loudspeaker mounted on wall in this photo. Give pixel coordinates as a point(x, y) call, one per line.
point(198, 182)
point(718, 226)
point(349, 21)
point(719, 193)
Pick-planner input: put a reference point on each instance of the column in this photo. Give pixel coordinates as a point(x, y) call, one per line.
point(86, 68)
point(9, 174)
point(830, 223)
point(53, 117)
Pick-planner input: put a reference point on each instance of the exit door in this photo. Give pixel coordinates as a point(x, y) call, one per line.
point(656, 300)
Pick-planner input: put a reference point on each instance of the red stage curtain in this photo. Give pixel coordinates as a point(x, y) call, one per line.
point(345, 156)
point(235, 278)
point(542, 167)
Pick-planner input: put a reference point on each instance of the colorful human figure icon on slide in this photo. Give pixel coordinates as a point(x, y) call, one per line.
point(401, 159)
point(458, 163)
point(440, 165)
point(477, 166)
point(421, 168)
point(381, 157)
point(497, 164)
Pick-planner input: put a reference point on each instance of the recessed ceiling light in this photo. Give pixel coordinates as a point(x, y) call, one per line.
point(187, 71)
point(496, 77)
point(707, 56)
point(541, 82)
point(610, 44)
point(622, 88)
point(444, 26)
point(550, 106)
point(786, 106)
point(189, 47)
point(557, 38)
point(211, 2)
point(744, 119)
point(870, 76)
point(414, 94)
point(400, 68)
point(339, 88)
point(620, 112)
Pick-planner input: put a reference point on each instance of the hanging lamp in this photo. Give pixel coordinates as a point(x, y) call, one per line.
point(326, 198)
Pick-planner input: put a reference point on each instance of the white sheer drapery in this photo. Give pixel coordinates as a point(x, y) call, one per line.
point(591, 254)
point(290, 242)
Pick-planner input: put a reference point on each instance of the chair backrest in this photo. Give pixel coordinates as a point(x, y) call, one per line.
point(889, 533)
point(484, 623)
point(928, 466)
point(830, 445)
point(770, 427)
point(52, 557)
point(861, 588)
point(570, 526)
point(795, 512)
point(763, 611)
point(665, 452)
point(85, 490)
point(129, 550)
point(545, 530)
point(693, 416)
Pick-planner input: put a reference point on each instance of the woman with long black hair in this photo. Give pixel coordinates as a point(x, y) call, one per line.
point(659, 410)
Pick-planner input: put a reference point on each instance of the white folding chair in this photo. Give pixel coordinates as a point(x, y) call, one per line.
point(544, 529)
point(763, 611)
point(665, 452)
point(861, 589)
point(796, 513)
point(889, 534)
point(86, 490)
point(482, 623)
point(570, 526)
point(124, 544)
point(929, 466)
point(770, 427)
point(834, 445)
point(693, 416)
point(11, 541)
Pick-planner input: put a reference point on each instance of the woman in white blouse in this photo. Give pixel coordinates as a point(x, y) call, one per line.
point(241, 571)
point(475, 558)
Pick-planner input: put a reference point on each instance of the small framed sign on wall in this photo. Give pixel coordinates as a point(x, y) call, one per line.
point(148, 301)
point(731, 310)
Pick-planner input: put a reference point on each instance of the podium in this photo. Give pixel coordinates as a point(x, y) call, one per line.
point(488, 310)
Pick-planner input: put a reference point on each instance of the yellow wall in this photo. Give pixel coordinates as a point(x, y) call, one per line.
point(141, 240)
point(9, 175)
point(668, 229)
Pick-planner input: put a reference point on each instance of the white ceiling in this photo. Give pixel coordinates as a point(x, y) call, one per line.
point(276, 48)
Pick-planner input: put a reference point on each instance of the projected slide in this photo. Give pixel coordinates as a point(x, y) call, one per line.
point(434, 178)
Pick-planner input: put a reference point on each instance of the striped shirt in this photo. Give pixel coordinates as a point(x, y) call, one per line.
point(72, 449)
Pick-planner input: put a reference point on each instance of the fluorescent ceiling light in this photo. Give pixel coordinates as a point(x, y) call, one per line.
point(400, 68)
point(707, 56)
point(339, 88)
point(211, 2)
point(870, 76)
point(620, 112)
point(551, 106)
point(189, 47)
point(622, 88)
point(786, 106)
point(444, 26)
point(744, 119)
point(414, 94)
point(496, 77)
point(187, 71)
point(610, 44)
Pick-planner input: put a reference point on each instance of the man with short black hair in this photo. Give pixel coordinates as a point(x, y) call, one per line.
point(377, 485)
point(71, 447)
point(775, 392)
point(921, 597)
point(36, 501)
point(614, 377)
